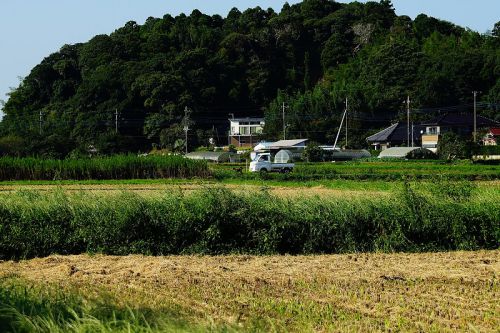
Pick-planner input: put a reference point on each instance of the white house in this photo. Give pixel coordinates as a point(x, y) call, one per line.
point(244, 132)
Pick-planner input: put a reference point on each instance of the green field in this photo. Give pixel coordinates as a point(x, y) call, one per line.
point(112, 167)
point(372, 170)
point(122, 167)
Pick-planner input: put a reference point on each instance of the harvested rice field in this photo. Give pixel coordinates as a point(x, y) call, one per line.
point(347, 189)
point(159, 189)
point(429, 292)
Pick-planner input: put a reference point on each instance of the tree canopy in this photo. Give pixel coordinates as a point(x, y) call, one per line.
point(128, 90)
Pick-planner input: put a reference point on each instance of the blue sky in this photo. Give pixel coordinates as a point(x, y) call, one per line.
point(32, 29)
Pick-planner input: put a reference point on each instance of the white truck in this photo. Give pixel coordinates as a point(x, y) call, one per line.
point(262, 163)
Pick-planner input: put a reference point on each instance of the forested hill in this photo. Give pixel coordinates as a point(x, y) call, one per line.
point(311, 56)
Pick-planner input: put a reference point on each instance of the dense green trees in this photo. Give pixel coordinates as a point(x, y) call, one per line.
point(310, 56)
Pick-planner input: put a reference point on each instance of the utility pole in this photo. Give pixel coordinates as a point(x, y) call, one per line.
point(284, 124)
point(186, 126)
point(412, 141)
point(475, 115)
point(408, 121)
point(230, 133)
point(40, 122)
point(340, 127)
point(116, 121)
point(346, 105)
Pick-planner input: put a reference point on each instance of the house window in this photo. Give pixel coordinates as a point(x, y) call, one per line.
point(244, 130)
point(433, 130)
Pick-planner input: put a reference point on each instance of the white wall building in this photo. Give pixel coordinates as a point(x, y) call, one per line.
point(245, 132)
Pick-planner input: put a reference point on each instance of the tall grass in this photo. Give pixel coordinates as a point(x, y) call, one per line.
point(25, 308)
point(114, 167)
point(218, 221)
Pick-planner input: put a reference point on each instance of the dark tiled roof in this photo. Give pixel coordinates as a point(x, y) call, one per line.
point(383, 135)
point(396, 133)
point(460, 119)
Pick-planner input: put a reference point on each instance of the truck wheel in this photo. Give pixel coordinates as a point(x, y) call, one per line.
point(263, 171)
point(286, 170)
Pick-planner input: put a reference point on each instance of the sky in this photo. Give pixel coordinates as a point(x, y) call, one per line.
point(32, 29)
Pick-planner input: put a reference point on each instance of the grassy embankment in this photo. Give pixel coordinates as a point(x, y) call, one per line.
point(448, 216)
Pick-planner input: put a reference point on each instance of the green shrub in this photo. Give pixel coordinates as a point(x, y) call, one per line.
point(313, 153)
point(451, 146)
point(421, 154)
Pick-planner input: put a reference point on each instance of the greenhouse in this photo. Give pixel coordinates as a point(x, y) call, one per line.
point(214, 156)
point(404, 152)
point(283, 156)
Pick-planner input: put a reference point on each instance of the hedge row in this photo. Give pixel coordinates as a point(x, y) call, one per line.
point(219, 221)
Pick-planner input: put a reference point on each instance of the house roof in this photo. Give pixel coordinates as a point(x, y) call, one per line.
point(383, 135)
point(288, 143)
point(246, 119)
point(460, 119)
point(262, 145)
point(396, 133)
point(495, 131)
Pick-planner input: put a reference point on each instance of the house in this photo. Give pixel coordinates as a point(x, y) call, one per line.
point(458, 123)
point(492, 137)
point(245, 132)
point(396, 135)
